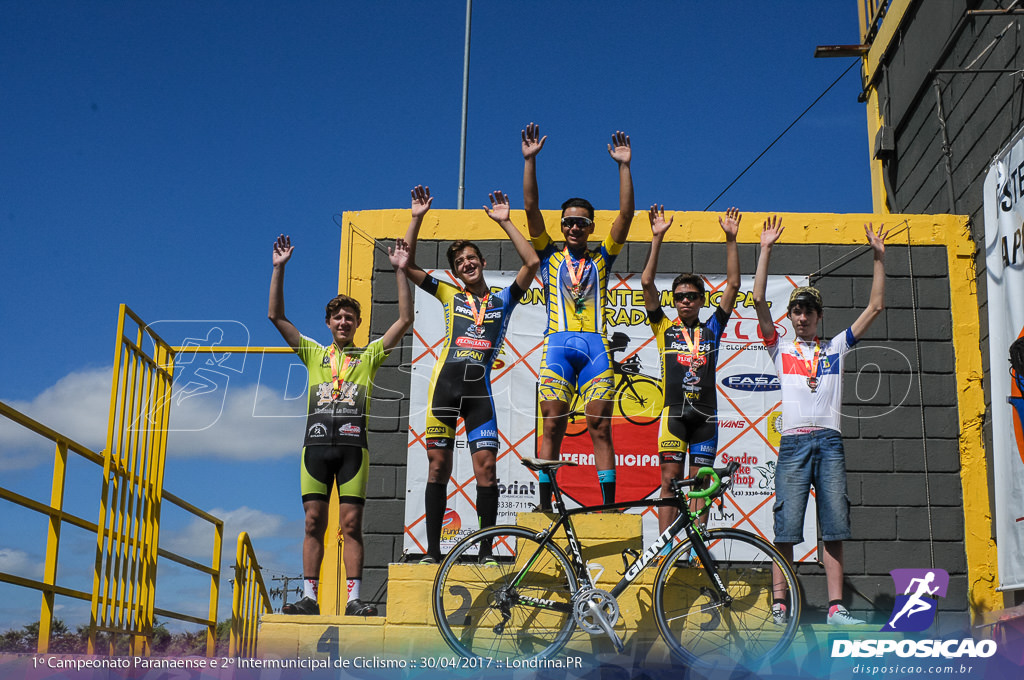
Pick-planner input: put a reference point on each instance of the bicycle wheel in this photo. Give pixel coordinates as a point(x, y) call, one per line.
point(639, 400)
point(700, 628)
point(519, 608)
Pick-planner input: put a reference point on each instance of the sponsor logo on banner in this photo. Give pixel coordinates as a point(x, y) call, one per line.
point(774, 425)
point(752, 382)
point(451, 523)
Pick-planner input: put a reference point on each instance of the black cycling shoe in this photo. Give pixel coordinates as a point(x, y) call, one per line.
point(359, 608)
point(307, 606)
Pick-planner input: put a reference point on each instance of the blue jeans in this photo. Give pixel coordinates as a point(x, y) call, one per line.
point(817, 459)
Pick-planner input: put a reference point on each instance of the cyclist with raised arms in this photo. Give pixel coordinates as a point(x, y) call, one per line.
point(810, 371)
point(689, 358)
point(335, 443)
point(576, 356)
point(475, 323)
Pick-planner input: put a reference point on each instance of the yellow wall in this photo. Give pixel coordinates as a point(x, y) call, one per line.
point(949, 231)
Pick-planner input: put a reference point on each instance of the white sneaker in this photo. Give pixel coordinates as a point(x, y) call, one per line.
point(779, 615)
point(839, 616)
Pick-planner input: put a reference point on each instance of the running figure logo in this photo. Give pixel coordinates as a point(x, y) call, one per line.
point(914, 610)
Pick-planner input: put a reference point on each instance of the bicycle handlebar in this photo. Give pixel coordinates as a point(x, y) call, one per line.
point(721, 477)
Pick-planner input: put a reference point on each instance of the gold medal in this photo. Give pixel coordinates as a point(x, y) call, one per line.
point(576, 275)
point(810, 364)
point(478, 314)
point(335, 376)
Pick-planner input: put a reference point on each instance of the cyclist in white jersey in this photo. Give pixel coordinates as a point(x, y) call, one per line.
point(810, 373)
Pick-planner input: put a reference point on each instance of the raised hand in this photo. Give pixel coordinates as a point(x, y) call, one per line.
point(771, 231)
point(499, 207)
point(659, 225)
point(731, 224)
point(532, 141)
point(282, 250)
point(619, 149)
point(399, 256)
point(421, 200)
point(877, 240)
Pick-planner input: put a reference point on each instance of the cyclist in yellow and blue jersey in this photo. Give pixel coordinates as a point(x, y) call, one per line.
point(475, 322)
point(576, 355)
point(689, 360)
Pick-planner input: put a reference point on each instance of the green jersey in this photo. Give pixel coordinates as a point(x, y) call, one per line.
point(340, 383)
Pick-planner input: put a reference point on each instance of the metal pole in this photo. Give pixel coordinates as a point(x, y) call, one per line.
point(465, 109)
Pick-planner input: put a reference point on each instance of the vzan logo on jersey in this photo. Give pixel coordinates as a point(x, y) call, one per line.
point(752, 382)
point(469, 354)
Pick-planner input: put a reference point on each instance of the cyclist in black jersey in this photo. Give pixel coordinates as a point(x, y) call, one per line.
point(689, 357)
point(335, 444)
point(475, 319)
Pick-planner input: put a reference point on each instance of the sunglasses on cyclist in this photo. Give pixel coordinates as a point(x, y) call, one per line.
point(690, 295)
point(581, 222)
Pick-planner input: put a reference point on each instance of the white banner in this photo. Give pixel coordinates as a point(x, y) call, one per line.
point(748, 400)
point(1004, 259)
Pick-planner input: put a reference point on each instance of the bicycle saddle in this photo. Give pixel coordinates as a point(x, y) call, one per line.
point(536, 464)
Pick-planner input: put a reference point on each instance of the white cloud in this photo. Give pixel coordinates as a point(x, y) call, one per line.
point(196, 539)
point(233, 421)
point(20, 563)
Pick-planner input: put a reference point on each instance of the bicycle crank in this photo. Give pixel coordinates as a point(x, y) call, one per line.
point(597, 611)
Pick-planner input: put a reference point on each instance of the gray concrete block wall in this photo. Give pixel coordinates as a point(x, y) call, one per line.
point(900, 513)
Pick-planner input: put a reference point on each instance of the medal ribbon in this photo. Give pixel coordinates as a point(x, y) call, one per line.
point(335, 377)
point(575, 274)
point(478, 317)
point(692, 344)
point(812, 364)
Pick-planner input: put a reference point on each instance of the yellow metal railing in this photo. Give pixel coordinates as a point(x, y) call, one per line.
point(57, 517)
point(48, 586)
point(249, 600)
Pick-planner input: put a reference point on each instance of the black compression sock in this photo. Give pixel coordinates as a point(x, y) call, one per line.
point(435, 496)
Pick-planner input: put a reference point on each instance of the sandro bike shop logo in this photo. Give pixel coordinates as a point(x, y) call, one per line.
point(914, 611)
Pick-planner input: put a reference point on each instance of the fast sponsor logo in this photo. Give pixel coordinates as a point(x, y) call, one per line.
point(438, 443)
point(752, 382)
point(349, 428)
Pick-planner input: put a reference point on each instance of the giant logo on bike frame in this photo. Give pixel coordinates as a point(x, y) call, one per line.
point(747, 414)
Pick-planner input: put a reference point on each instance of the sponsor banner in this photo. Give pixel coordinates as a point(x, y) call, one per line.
point(748, 398)
point(1004, 260)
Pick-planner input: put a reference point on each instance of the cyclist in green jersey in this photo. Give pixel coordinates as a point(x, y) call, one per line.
point(335, 443)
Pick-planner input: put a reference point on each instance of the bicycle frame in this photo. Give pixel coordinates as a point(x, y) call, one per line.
point(685, 521)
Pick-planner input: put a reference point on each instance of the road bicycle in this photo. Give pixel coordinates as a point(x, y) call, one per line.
point(509, 592)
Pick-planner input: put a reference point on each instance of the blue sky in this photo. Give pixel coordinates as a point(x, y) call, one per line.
point(152, 152)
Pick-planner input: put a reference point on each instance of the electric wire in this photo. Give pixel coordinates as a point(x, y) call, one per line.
point(788, 128)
